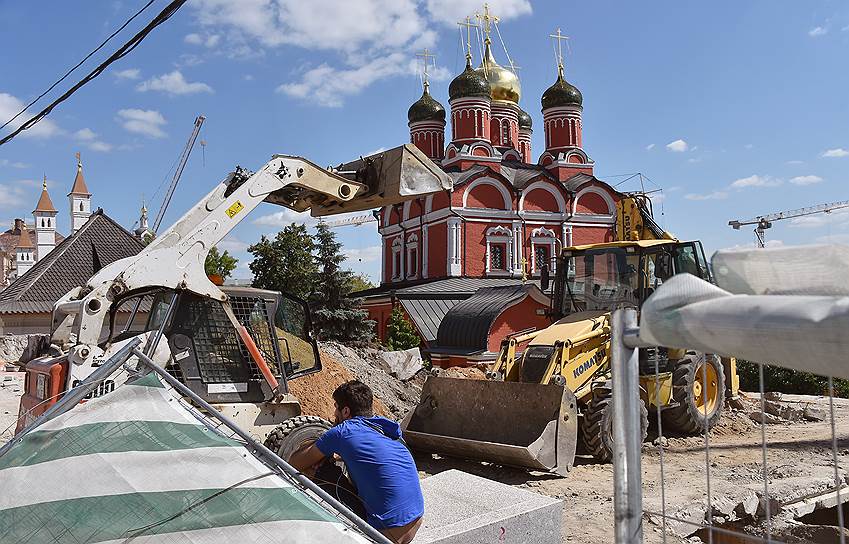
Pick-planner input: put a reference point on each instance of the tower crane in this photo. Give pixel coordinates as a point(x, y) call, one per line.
point(763, 222)
point(357, 220)
point(184, 157)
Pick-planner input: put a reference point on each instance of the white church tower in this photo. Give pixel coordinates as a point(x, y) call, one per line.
point(45, 223)
point(79, 199)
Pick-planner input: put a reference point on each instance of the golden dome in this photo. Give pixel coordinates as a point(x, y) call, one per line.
point(503, 83)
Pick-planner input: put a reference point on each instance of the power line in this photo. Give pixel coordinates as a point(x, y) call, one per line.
point(163, 16)
point(99, 47)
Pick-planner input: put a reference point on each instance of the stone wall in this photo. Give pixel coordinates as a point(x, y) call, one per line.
point(22, 347)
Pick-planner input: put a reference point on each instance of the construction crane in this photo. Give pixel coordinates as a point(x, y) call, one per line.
point(763, 222)
point(357, 220)
point(184, 157)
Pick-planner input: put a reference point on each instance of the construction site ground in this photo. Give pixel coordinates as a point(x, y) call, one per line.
point(799, 457)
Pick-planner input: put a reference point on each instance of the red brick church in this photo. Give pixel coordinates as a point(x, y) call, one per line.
point(507, 213)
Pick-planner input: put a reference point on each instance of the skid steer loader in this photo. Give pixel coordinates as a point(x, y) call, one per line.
point(235, 347)
point(536, 408)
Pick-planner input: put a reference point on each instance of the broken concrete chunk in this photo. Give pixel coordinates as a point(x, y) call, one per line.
point(403, 364)
point(773, 407)
point(792, 413)
point(772, 395)
point(813, 414)
point(748, 507)
point(737, 403)
point(764, 418)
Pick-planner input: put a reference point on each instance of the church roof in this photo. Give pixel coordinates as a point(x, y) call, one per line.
point(79, 187)
point(516, 174)
point(44, 202)
point(469, 83)
point(25, 240)
point(99, 242)
point(426, 108)
point(11, 238)
point(562, 93)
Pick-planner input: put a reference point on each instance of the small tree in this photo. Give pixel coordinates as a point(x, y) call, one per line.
point(336, 316)
point(400, 333)
point(285, 263)
point(221, 264)
point(361, 282)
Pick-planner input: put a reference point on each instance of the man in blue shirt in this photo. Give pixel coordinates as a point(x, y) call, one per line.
point(379, 463)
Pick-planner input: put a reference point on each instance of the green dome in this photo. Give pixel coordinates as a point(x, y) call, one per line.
point(470, 83)
point(426, 108)
point(562, 93)
point(525, 119)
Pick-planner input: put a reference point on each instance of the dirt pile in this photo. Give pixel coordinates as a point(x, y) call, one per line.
point(367, 365)
point(340, 363)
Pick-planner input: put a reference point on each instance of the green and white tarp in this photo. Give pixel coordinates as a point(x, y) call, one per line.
point(136, 466)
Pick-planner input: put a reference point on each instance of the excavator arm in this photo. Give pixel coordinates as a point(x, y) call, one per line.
point(175, 259)
point(634, 220)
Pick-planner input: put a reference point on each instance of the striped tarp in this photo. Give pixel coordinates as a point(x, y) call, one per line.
point(136, 466)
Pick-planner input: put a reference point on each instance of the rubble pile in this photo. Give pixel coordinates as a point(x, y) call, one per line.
point(378, 369)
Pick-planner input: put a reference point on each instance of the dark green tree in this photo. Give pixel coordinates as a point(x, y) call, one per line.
point(286, 263)
point(336, 315)
point(400, 333)
point(221, 264)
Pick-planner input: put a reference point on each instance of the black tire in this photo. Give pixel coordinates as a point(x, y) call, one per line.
point(293, 433)
point(597, 424)
point(689, 417)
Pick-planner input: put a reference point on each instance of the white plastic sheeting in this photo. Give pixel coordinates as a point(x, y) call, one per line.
point(786, 306)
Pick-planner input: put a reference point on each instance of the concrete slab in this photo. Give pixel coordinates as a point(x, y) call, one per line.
point(461, 508)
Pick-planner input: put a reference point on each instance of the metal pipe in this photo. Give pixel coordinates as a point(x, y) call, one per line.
point(73, 396)
point(269, 455)
point(627, 490)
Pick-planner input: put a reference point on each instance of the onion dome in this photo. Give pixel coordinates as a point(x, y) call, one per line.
point(525, 119)
point(469, 83)
point(504, 84)
point(562, 93)
point(426, 108)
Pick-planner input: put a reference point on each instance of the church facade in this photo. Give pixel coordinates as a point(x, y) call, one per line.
point(510, 208)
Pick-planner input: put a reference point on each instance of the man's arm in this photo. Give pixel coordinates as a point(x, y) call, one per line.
point(306, 458)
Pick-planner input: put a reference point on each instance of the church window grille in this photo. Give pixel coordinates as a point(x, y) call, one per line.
point(499, 250)
point(496, 257)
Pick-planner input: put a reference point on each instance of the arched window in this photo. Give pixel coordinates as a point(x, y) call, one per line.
point(543, 249)
point(81, 205)
point(42, 222)
point(499, 251)
point(412, 257)
point(397, 260)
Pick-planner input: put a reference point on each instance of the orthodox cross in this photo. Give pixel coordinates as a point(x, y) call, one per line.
point(425, 56)
point(488, 20)
point(469, 25)
point(524, 270)
point(560, 39)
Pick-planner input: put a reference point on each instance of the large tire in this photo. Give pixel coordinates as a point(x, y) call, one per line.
point(597, 424)
point(293, 433)
point(698, 407)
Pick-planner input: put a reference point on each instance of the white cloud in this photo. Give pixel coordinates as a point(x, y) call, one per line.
point(363, 255)
point(774, 243)
point(248, 77)
point(649, 147)
point(838, 152)
point(144, 122)
point(328, 86)
point(89, 138)
point(756, 181)
point(211, 40)
point(13, 164)
point(10, 106)
point(451, 11)
point(716, 195)
point(749, 146)
point(678, 146)
point(130, 73)
point(173, 83)
point(795, 162)
point(845, 29)
point(694, 159)
point(817, 31)
point(232, 244)
point(283, 218)
point(15, 194)
point(805, 180)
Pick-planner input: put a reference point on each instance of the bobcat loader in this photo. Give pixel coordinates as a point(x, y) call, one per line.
point(235, 347)
point(535, 407)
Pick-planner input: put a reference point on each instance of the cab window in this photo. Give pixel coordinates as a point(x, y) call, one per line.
point(297, 350)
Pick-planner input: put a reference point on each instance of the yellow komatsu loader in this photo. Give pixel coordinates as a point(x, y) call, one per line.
point(537, 407)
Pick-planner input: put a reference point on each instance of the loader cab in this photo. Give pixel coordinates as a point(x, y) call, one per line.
point(206, 352)
point(604, 277)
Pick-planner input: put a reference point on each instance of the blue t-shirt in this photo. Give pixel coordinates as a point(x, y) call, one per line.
point(380, 466)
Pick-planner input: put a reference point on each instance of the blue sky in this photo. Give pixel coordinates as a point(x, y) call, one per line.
point(733, 108)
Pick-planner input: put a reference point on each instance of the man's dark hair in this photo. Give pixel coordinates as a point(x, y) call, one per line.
point(356, 396)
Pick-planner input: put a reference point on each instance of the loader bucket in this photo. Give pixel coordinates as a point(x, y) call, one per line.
point(509, 423)
point(388, 177)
